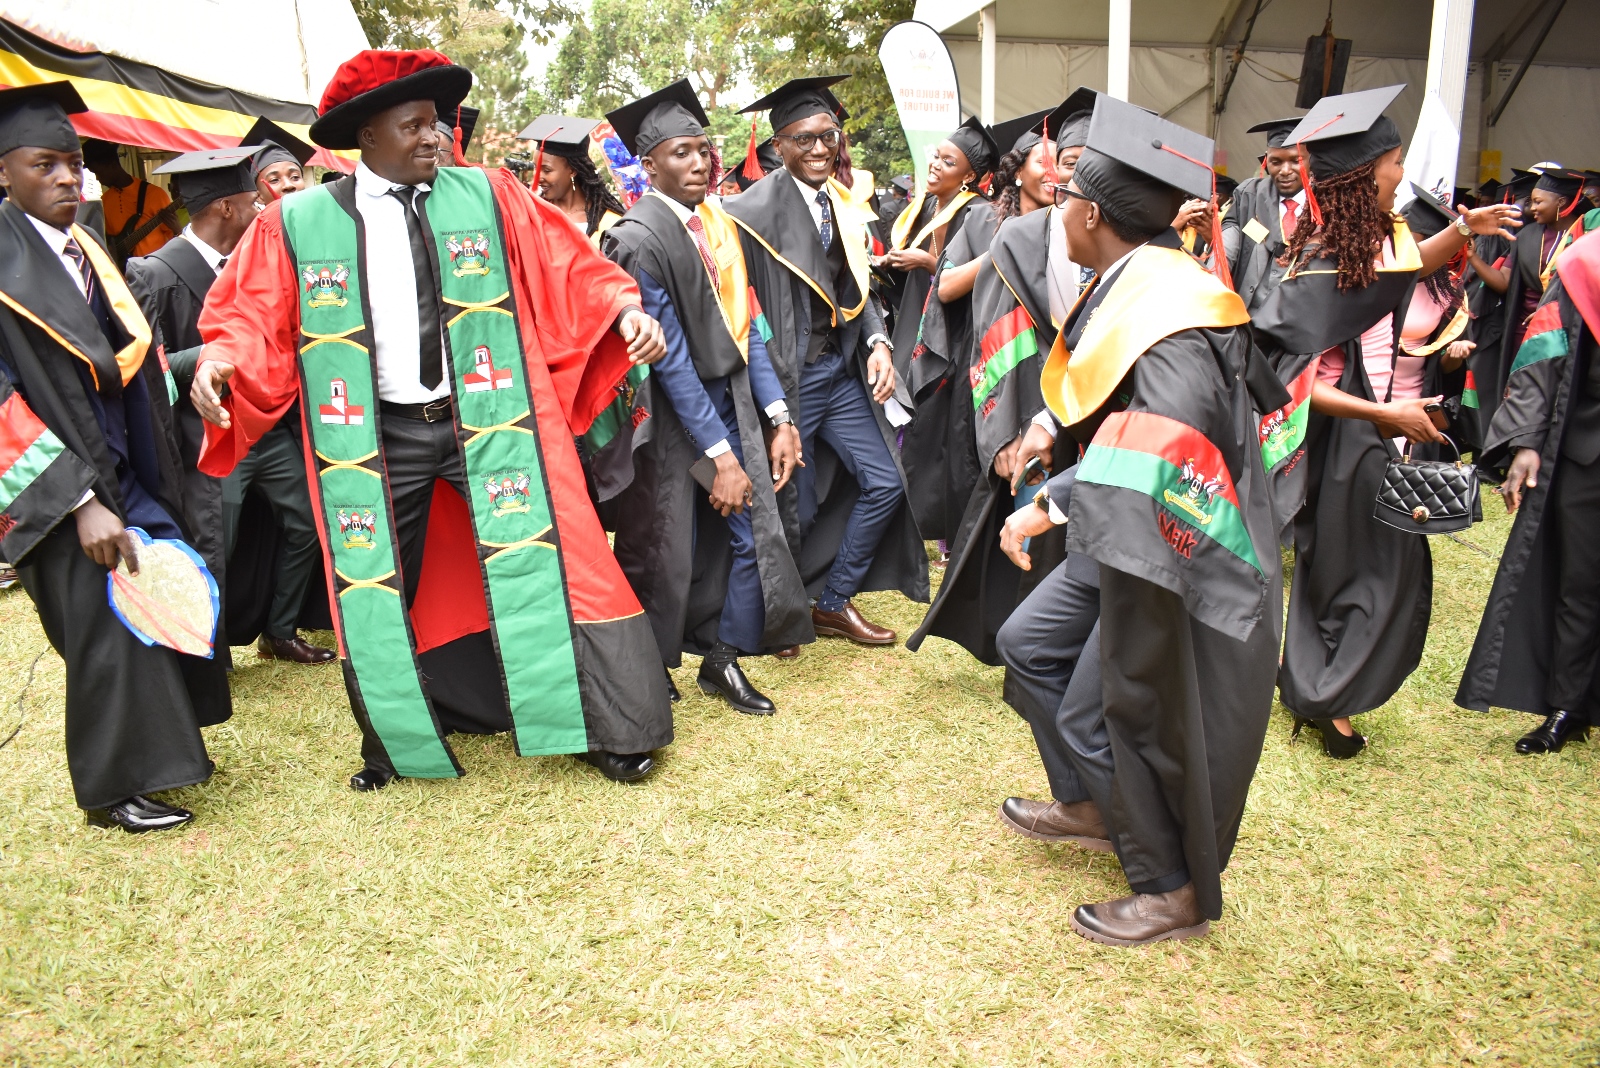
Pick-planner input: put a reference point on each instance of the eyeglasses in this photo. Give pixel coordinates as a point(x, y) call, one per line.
point(1064, 194)
point(807, 141)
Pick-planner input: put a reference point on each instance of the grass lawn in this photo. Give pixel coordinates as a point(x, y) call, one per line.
point(830, 886)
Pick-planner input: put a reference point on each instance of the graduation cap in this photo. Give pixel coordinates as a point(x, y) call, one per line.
point(468, 120)
point(1140, 168)
point(1348, 131)
point(1225, 188)
point(566, 136)
point(1490, 190)
point(1556, 179)
point(35, 116)
point(1521, 183)
point(280, 145)
point(201, 178)
point(1277, 130)
point(973, 139)
point(1018, 134)
point(1068, 122)
point(666, 113)
point(800, 98)
point(1427, 214)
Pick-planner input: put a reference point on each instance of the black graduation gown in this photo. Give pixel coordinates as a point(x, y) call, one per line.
point(939, 451)
point(1252, 253)
point(981, 585)
point(775, 222)
point(911, 297)
point(1485, 331)
point(671, 543)
point(1492, 369)
point(1362, 591)
point(133, 712)
point(1509, 666)
point(1188, 627)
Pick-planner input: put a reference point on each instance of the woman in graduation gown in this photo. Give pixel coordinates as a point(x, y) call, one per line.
point(567, 176)
point(1022, 289)
point(939, 455)
point(1362, 591)
point(929, 223)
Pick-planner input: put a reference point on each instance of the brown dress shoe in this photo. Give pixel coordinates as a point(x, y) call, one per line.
point(1057, 821)
point(1139, 919)
point(788, 652)
point(849, 623)
point(295, 649)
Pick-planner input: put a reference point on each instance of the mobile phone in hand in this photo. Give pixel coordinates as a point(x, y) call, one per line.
point(1436, 414)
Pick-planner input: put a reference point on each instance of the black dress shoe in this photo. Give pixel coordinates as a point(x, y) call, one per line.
point(729, 680)
point(1335, 743)
point(620, 767)
point(1557, 730)
point(672, 688)
point(371, 779)
point(139, 814)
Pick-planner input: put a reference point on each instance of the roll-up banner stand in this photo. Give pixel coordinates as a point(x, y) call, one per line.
point(922, 77)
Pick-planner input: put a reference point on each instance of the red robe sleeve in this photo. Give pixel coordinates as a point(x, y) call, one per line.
point(568, 296)
point(251, 319)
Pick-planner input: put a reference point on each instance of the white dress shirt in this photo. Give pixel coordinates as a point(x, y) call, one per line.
point(212, 257)
point(809, 195)
point(57, 240)
point(392, 292)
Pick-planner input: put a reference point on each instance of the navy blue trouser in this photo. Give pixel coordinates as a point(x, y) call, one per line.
point(834, 405)
point(743, 610)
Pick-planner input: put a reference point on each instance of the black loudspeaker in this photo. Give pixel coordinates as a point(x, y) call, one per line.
point(1322, 70)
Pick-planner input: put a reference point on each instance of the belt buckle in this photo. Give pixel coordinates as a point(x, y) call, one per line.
point(434, 411)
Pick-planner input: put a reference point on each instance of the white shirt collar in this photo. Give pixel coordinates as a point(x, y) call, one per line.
point(681, 210)
point(1299, 198)
point(370, 183)
point(209, 254)
point(56, 239)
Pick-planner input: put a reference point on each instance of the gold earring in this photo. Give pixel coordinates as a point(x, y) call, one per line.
point(963, 187)
point(574, 181)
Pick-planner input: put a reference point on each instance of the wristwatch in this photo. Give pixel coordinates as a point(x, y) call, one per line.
point(1042, 498)
point(1461, 226)
point(780, 419)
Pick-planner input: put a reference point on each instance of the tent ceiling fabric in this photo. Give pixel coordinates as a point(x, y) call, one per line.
point(283, 51)
point(1378, 27)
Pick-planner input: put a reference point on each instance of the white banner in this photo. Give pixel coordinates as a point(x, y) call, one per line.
point(922, 78)
point(1431, 159)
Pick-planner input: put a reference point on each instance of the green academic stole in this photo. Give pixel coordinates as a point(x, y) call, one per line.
point(512, 517)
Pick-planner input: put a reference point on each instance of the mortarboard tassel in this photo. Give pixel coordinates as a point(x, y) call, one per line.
point(456, 152)
point(752, 166)
point(1305, 172)
point(1576, 197)
point(1049, 156)
point(1219, 258)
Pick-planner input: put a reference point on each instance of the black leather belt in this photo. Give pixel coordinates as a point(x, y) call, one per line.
point(432, 412)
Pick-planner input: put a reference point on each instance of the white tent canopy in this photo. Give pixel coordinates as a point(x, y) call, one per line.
point(286, 50)
point(1182, 50)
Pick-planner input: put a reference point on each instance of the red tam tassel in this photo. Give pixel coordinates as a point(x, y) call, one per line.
point(752, 166)
point(456, 151)
point(1219, 259)
point(1305, 173)
point(1576, 197)
point(984, 185)
point(1049, 156)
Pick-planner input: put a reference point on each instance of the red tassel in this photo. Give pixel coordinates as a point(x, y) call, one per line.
point(456, 151)
point(1576, 197)
point(752, 166)
point(1219, 259)
point(1305, 173)
point(988, 180)
point(1049, 156)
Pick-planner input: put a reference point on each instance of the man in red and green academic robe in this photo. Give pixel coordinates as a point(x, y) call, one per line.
point(88, 448)
point(446, 335)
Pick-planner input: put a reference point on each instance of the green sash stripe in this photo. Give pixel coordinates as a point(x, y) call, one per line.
point(1550, 345)
point(1005, 345)
point(609, 423)
point(30, 465)
point(512, 515)
point(341, 409)
point(1160, 480)
point(1280, 440)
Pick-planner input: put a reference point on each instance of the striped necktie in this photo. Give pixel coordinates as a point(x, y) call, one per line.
point(75, 253)
point(697, 230)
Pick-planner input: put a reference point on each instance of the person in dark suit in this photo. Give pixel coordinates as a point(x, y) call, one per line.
point(1262, 214)
point(219, 188)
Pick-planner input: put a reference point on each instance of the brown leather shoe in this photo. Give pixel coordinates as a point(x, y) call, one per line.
point(1139, 919)
point(1057, 821)
point(295, 649)
point(788, 652)
point(849, 623)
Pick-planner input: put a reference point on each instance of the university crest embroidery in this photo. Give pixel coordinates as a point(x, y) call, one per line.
point(358, 527)
point(1274, 431)
point(469, 253)
point(1195, 492)
point(508, 493)
point(484, 376)
point(328, 286)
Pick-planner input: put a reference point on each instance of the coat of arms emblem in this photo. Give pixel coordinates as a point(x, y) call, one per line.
point(469, 253)
point(508, 493)
point(1195, 492)
point(358, 527)
point(327, 287)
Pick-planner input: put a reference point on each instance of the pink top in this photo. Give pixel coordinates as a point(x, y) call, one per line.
point(1377, 346)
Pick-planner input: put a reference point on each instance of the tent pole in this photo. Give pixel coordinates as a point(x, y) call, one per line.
point(986, 46)
point(1120, 47)
point(1447, 55)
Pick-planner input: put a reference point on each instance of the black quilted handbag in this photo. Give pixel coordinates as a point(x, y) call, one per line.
point(1429, 496)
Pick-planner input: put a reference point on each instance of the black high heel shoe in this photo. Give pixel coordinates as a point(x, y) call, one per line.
point(1335, 743)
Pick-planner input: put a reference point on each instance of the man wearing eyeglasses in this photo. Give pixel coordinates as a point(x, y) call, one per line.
point(804, 233)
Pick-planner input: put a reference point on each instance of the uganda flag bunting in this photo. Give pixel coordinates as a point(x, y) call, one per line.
point(133, 103)
point(1005, 345)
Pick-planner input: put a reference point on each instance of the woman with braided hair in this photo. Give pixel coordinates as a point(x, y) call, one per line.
point(568, 178)
point(1362, 591)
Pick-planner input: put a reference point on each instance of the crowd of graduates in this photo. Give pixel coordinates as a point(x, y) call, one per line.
point(550, 429)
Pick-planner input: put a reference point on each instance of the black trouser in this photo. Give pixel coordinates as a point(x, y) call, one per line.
point(1051, 647)
point(1575, 508)
point(417, 453)
point(276, 467)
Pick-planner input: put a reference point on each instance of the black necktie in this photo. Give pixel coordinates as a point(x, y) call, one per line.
point(825, 227)
point(430, 366)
